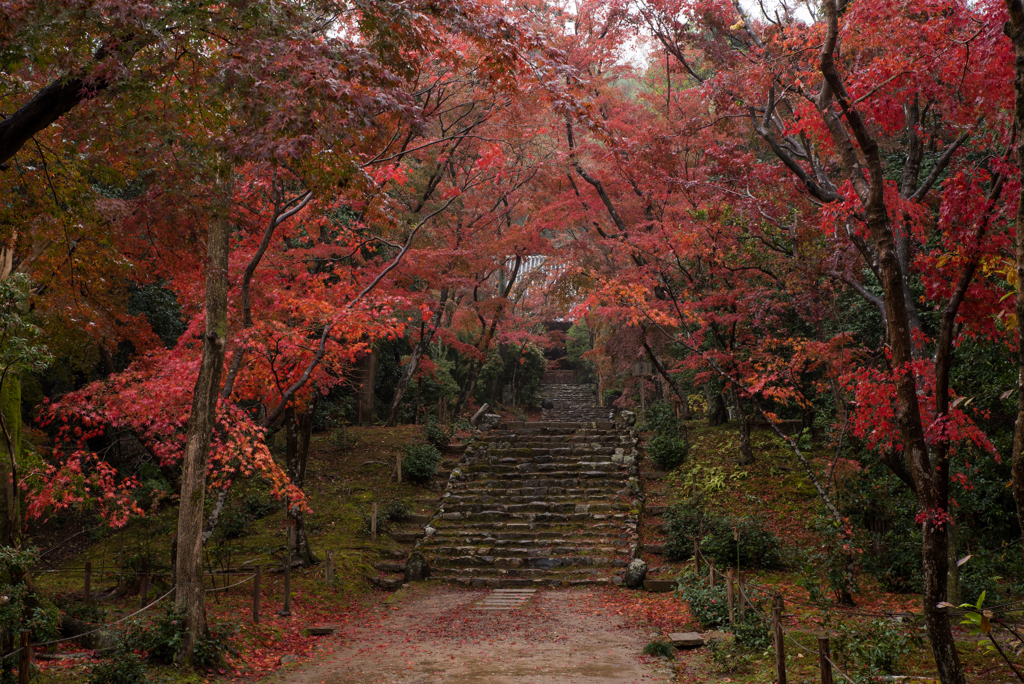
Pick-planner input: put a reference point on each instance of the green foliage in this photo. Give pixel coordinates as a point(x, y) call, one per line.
point(730, 657)
point(752, 632)
point(699, 479)
point(578, 341)
point(709, 606)
point(20, 350)
point(330, 411)
point(520, 367)
point(123, 667)
point(667, 452)
point(869, 651)
point(44, 621)
point(420, 462)
point(259, 503)
point(164, 639)
point(685, 522)
point(691, 519)
point(160, 307)
point(394, 511)
point(21, 608)
point(882, 510)
point(756, 548)
point(668, 448)
point(439, 434)
point(660, 649)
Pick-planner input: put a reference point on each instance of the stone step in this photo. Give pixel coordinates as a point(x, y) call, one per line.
point(469, 518)
point(502, 489)
point(566, 571)
point(556, 504)
point(493, 582)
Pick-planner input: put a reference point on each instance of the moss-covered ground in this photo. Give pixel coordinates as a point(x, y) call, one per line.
point(776, 489)
point(347, 471)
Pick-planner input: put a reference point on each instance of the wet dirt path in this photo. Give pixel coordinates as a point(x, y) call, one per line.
point(435, 635)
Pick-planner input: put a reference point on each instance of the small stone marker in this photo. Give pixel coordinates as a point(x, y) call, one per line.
point(321, 630)
point(506, 599)
point(686, 639)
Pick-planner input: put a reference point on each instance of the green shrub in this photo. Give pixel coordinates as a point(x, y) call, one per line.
point(124, 667)
point(757, 547)
point(396, 511)
point(690, 519)
point(660, 649)
point(164, 639)
point(684, 522)
point(668, 448)
point(867, 652)
point(666, 451)
point(752, 632)
point(421, 461)
point(234, 523)
point(260, 503)
point(439, 434)
point(709, 606)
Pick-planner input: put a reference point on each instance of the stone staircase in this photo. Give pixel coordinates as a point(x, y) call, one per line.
point(572, 403)
point(551, 503)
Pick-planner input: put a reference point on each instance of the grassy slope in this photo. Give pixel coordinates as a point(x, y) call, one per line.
point(777, 489)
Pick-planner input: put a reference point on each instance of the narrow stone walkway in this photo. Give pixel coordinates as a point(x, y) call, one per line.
point(436, 635)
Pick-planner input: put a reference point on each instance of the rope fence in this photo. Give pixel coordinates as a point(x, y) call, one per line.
point(826, 664)
point(780, 634)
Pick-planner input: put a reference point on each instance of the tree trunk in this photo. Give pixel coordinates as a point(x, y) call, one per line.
point(1015, 30)
point(932, 478)
point(414, 359)
point(365, 378)
point(746, 452)
point(189, 594)
point(717, 412)
point(298, 429)
point(670, 383)
point(10, 451)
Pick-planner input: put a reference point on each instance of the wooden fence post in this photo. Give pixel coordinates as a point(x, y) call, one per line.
point(696, 557)
point(730, 596)
point(373, 523)
point(256, 597)
point(824, 660)
point(398, 467)
point(711, 572)
point(88, 581)
point(25, 657)
point(780, 647)
point(743, 595)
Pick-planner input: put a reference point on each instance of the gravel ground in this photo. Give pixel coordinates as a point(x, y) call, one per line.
point(434, 635)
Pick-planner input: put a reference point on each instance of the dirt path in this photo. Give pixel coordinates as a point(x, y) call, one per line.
point(434, 635)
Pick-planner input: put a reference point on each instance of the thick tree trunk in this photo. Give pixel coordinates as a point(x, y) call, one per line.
point(298, 429)
point(414, 359)
point(10, 451)
point(717, 412)
point(189, 595)
point(1015, 30)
